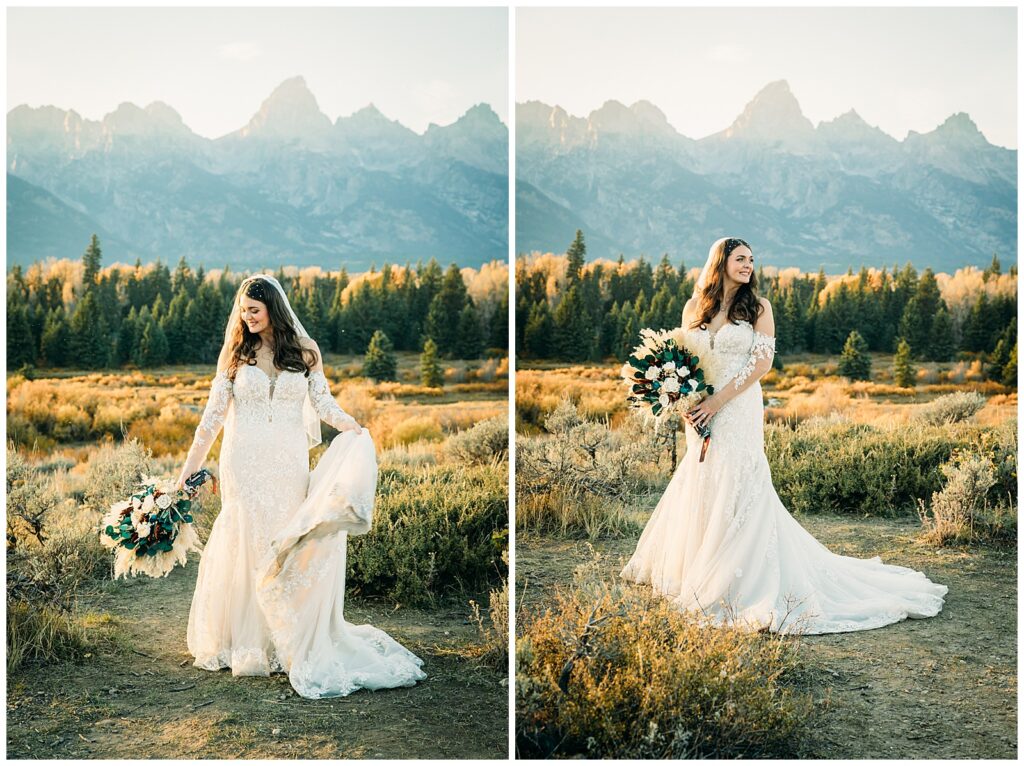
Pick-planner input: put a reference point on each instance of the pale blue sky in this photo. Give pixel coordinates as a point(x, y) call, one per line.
point(216, 66)
point(900, 68)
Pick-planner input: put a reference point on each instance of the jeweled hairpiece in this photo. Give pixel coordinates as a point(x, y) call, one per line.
point(257, 290)
point(732, 243)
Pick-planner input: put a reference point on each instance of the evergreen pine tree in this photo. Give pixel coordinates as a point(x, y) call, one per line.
point(576, 255)
point(128, 338)
point(88, 344)
point(54, 343)
point(380, 363)
point(978, 327)
point(994, 269)
point(942, 345)
point(152, 350)
point(175, 330)
point(1001, 355)
point(792, 320)
point(537, 333)
point(919, 313)
point(183, 278)
point(91, 258)
point(611, 327)
point(499, 325)
point(1010, 369)
point(445, 310)
point(430, 371)
point(903, 368)
point(854, 363)
point(469, 339)
point(20, 344)
point(572, 339)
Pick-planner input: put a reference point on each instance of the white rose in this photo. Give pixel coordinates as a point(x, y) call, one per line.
point(670, 366)
point(653, 373)
point(693, 384)
point(147, 504)
point(143, 529)
point(163, 501)
point(664, 400)
point(136, 503)
point(682, 372)
point(137, 517)
point(671, 386)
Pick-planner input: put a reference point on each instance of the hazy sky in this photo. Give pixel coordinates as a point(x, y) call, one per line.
point(216, 66)
point(900, 68)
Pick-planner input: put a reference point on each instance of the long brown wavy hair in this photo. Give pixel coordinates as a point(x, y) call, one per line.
point(288, 352)
point(745, 304)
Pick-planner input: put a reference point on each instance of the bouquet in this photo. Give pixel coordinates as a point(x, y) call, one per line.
point(152, 530)
point(664, 376)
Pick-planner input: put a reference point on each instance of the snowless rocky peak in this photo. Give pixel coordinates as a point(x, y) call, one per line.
point(291, 111)
point(616, 117)
point(772, 116)
point(156, 119)
point(960, 130)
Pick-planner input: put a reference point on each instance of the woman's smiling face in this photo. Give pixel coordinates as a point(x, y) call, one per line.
point(739, 266)
point(254, 314)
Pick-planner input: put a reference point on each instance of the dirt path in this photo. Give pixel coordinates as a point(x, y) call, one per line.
point(145, 700)
point(944, 687)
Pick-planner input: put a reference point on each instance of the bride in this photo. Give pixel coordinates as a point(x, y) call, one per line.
point(720, 540)
point(271, 584)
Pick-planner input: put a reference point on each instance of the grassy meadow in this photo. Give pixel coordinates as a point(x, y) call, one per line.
point(100, 669)
point(922, 476)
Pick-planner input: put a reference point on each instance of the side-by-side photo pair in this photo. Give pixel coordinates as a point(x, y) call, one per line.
point(511, 383)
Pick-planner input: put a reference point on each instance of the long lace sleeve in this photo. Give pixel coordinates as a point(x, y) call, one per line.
point(763, 347)
point(323, 401)
point(210, 423)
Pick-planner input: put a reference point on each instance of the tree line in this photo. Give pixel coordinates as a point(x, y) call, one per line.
point(596, 311)
point(150, 316)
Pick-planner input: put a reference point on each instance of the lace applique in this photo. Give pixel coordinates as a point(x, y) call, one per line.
point(210, 423)
point(763, 347)
point(324, 403)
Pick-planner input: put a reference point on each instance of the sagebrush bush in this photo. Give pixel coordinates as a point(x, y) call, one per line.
point(961, 511)
point(842, 467)
point(437, 531)
point(114, 472)
point(581, 478)
point(485, 442)
point(951, 408)
point(581, 457)
point(52, 547)
point(612, 671)
point(31, 497)
point(416, 429)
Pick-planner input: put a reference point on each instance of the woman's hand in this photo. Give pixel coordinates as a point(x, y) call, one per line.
point(703, 412)
point(352, 426)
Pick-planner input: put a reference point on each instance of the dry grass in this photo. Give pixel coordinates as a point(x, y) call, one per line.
point(611, 671)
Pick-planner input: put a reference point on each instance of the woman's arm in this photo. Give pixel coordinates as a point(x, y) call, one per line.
point(320, 394)
point(221, 391)
point(762, 353)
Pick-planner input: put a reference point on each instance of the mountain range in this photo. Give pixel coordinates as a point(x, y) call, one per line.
point(290, 187)
point(837, 195)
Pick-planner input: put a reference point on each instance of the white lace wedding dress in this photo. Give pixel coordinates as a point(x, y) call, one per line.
point(721, 541)
point(259, 608)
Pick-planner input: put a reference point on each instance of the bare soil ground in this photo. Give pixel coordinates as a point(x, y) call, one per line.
point(944, 687)
point(139, 696)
